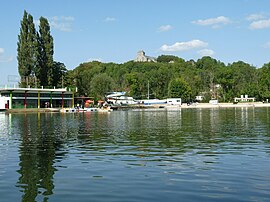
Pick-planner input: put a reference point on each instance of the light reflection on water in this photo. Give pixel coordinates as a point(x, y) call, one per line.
point(140, 155)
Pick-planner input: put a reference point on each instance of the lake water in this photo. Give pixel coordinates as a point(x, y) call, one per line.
point(182, 155)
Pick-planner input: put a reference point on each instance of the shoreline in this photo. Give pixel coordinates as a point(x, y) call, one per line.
point(157, 106)
point(226, 105)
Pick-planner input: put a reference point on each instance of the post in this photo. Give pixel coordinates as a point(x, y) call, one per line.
point(62, 99)
point(25, 102)
point(10, 103)
point(51, 101)
point(72, 99)
point(38, 99)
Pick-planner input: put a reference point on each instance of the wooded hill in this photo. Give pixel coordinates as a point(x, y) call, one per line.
point(172, 76)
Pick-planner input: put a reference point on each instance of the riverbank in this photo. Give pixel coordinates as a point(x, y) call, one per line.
point(32, 110)
point(183, 106)
point(225, 105)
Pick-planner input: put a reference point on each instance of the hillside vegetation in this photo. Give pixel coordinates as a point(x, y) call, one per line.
point(172, 76)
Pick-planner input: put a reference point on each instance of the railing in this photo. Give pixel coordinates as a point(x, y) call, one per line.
point(9, 86)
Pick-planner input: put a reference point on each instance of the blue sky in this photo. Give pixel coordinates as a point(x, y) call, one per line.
point(114, 30)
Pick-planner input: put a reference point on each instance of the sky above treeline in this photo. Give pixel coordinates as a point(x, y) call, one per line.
point(114, 31)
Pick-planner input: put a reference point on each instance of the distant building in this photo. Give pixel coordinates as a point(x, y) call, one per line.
point(244, 99)
point(199, 98)
point(141, 57)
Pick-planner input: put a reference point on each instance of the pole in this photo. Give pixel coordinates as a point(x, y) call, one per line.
point(51, 101)
point(72, 99)
point(25, 103)
point(38, 99)
point(62, 100)
point(10, 103)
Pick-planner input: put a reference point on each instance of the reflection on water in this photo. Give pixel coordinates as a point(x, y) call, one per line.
point(38, 146)
point(140, 155)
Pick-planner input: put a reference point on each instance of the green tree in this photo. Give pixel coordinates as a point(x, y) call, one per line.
point(245, 78)
point(59, 72)
point(44, 70)
point(179, 88)
point(100, 85)
point(264, 82)
point(169, 58)
point(27, 50)
point(208, 70)
point(226, 80)
point(134, 83)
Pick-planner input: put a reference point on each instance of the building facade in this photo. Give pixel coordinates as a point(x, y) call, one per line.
point(11, 98)
point(141, 57)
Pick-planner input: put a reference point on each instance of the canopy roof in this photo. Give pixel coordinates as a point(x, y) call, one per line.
point(35, 90)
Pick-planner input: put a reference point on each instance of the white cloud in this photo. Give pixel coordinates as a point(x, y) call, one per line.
point(206, 52)
point(254, 17)
point(110, 19)
point(184, 46)
point(214, 22)
point(4, 58)
point(266, 45)
point(260, 24)
point(165, 28)
point(62, 23)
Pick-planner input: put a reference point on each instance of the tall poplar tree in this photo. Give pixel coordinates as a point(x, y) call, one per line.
point(35, 55)
point(45, 54)
point(27, 49)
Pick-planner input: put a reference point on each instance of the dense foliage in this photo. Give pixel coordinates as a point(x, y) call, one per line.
point(35, 55)
point(173, 77)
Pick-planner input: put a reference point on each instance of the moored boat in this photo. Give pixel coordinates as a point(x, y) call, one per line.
point(85, 110)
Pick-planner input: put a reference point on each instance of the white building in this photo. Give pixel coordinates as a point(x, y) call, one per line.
point(174, 101)
point(11, 98)
point(141, 57)
point(244, 99)
point(4, 102)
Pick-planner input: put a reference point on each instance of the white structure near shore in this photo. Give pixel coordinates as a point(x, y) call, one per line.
point(244, 99)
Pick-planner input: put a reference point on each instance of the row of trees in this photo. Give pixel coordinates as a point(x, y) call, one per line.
point(35, 55)
point(172, 76)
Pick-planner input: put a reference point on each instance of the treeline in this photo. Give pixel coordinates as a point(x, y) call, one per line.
point(35, 55)
point(172, 76)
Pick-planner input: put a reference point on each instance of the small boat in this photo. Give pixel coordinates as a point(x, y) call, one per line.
point(105, 109)
point(90, 109)
point(68, 110)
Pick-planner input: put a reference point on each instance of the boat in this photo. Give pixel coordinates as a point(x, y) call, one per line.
point(68, 110)
point(85, 110)
point(120, 99)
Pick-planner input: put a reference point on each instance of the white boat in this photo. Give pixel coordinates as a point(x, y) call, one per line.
point(105, 110)
point(119, 98)
point(91, 109)
point(152, 102)
point(68, 110)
